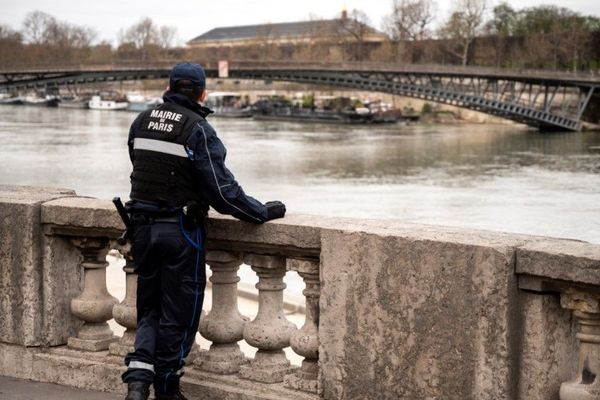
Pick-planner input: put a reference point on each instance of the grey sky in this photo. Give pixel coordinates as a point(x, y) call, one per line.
point(193, 17)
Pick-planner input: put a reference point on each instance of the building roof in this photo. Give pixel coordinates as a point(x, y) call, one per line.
point(331, 27)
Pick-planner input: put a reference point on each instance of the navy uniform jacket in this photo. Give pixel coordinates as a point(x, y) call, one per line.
point(207, 153)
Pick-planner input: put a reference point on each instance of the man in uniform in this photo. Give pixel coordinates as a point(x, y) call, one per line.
point(178, 172)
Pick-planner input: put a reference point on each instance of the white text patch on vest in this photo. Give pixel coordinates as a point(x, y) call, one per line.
point(173, 116)
point(160, 126)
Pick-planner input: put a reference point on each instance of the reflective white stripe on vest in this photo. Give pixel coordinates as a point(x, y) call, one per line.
point(159, 146)
point(141, 365)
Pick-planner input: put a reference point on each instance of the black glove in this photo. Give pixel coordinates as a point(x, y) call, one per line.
point(275, 209)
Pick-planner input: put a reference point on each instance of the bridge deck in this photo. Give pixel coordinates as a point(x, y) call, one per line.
point(588, 77)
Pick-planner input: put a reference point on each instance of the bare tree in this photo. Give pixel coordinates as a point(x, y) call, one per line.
point(464, 24)
point(142, 34)
point(11, 45)
point(356, 24)
point(36, 25)
point(408, 25)
point(82, 36)
point(410, 19)
point(168, 36)
point(145, 39)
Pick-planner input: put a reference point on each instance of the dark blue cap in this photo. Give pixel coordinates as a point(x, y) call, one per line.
point(190, 72)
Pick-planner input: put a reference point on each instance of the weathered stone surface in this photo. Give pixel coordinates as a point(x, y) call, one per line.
point(202, 385)
point(31, 195)
point(413, 318)
point(270, 331)
point(224, 325)
point(82, 212)
point(297, 382)
point(101, 372)
point(27, 311)
point(91, 345)
point(567, 260)
point(63, 281)
point(548, 347)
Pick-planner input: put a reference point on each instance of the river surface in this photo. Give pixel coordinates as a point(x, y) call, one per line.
point(497, 177)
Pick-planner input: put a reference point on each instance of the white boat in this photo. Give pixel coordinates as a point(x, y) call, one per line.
point(11, 100)
point(96, 103)
point(47, 101)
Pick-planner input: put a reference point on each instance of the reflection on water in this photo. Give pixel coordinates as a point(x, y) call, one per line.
point(504, 178)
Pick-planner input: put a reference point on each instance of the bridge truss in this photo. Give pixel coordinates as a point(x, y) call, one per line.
point(539, 100)
point(546, 104)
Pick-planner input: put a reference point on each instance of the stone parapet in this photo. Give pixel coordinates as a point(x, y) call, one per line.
point(561, 260)
point(394, 310)
point(33, 308)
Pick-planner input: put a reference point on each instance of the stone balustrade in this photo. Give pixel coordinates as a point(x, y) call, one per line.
point(125, 313)
point(224, 325)
point(94, 306)
point(393, 310)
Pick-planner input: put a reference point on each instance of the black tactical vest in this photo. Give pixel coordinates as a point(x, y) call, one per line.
point(162, 172)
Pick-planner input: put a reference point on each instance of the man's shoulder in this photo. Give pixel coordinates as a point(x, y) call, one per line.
point(202, 134)
point(203, 127)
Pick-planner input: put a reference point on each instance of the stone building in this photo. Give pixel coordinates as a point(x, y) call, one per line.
point(333, 31)
point(337, 39)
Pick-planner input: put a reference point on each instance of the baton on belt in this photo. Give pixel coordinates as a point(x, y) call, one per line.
point(122, 240)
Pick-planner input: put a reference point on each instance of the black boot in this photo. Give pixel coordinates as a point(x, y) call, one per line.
point(137, 390)
point(175, 395)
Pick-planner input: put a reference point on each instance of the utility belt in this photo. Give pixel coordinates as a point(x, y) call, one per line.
point(190, 217)
point(184, 217)
point(145, 219)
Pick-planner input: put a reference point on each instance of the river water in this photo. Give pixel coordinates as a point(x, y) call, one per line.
point(497, 177)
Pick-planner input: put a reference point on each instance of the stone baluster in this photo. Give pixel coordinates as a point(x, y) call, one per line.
point(305, 341)
point(224, 325)
point(270, 331)
point(125, 313)
point(586, 310)
point(94, 305)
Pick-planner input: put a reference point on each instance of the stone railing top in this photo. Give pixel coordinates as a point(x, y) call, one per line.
point(300, 235)
point(31, 195)
point(302, 232)
point(82, 212)
point(564, 260)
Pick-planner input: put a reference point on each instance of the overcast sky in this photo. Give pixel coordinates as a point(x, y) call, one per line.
point(194, 17)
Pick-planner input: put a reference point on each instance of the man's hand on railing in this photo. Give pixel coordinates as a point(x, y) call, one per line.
point(275, 209)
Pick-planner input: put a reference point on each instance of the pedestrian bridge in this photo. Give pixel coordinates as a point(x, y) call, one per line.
point(393, 310)
point(543, 99)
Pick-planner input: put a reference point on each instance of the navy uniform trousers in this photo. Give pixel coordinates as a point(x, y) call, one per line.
point(169, 260)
